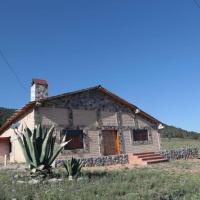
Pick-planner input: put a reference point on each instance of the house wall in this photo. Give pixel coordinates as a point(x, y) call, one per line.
point(140, 148)
point(63, 118)
point(16, 154)
point(93, 112)
point(52, 116)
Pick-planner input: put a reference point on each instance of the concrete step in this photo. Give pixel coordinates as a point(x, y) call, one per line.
point(146, 158)
point(148, 155)
point(140, 154)
point(153, 158)
point(156, 161)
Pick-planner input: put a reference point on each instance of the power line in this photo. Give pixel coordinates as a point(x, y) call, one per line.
point(197, 4)
point(12, 70)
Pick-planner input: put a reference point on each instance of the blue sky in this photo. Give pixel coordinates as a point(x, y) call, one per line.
point(147, 52)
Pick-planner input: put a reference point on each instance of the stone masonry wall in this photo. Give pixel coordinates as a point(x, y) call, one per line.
point(183, 153)
point(176, 154)
point(100, 161)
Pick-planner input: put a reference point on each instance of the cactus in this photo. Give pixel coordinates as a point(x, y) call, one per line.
point(38, 147)
point(73, 167)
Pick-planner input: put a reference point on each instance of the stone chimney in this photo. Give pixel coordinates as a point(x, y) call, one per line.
point(39, 89)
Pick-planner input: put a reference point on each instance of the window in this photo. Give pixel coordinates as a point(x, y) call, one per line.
point(76, 137)
point(140, 135)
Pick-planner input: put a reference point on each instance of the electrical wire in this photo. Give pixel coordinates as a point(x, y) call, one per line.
point(12, 70)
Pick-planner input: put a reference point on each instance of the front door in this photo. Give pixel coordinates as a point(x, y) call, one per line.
point(110, 141)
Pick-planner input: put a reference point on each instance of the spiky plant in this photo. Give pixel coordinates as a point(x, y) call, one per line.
point(38, 147)
point(73, 167)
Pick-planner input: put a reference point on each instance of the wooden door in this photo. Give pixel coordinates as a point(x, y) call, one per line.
point(110, 142)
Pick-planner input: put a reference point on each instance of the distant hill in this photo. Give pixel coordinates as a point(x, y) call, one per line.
point(174, 132)
point(4, 114)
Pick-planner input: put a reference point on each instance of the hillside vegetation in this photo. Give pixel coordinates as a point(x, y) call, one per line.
point(173, 132)
point(4, 114)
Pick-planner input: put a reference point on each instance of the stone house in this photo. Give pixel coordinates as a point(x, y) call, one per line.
point(98, 122)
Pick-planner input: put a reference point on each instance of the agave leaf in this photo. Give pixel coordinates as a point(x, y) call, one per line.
point(38, 143)
point(49, 148)
point(73, 167)
point(38, 148)
point(80, 165)
point(69, 167)
point(64, 139)
point(37, 154)
point(52, 146)
point(44, 133)
point(34, 151)
point(38, 131)
point(26, 138)
point(28, 161)
point(66, 167)
point(29, 132)
point(62, 145)
point(45, 144)
point(26, 146)
point(18, 134)
point(39, 138)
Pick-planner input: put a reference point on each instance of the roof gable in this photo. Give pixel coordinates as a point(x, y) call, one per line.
point(19, 113)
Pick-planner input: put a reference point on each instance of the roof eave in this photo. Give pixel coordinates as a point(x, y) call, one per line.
point(16, 116)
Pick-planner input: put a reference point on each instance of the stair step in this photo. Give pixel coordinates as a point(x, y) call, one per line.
point(153, 158)
point(138, 154)
point(146, 158)
point(156, 161)
point(148, 155)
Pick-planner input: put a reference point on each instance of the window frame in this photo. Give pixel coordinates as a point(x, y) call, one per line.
point(140, 131)
point(71, 133)
point(141, 142)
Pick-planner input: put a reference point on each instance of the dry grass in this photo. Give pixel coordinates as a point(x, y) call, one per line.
point(174, 143)
point(175, 180)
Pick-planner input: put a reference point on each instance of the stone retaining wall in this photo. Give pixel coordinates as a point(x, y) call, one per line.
point(183, 153)
point(175, 154)
point(101, 161)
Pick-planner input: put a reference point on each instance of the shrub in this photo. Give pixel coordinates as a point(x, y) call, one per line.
point(73, 167)
point(38, 147)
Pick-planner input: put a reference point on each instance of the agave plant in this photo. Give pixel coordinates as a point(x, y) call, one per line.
point(73, 167)
point(38, 147)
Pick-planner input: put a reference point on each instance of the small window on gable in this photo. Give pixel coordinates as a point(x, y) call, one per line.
point(76, 137)
point(140, 135)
